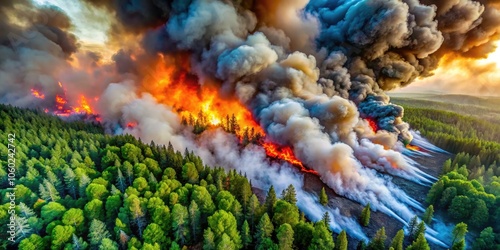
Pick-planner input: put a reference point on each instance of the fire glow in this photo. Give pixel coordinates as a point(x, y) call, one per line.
point(175, 87)
point(286, 154)
point(131, 125)
point(373, 124)
point(37, 94)
point(60, 103)
point(413, 147)
point(84, 106)
point(62, 106)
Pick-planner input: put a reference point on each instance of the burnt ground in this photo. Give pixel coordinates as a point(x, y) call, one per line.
point(431, 165)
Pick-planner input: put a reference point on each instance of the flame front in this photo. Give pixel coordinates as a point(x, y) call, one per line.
point(60, 103)
point(84, 106)
point(373, 124)
point(172, 85)
point(63, 107)
point(413, 147)
point(285, 153)
point(196, 103)
point(37, 94)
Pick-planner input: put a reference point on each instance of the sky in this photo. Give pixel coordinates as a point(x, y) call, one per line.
point(469, 77)
point(89, 29)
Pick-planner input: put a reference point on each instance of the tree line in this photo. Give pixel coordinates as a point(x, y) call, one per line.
point(457, 133)
point(230, 124)
point(468, 190)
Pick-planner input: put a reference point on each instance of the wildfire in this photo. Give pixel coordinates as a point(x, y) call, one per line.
point(413, 147)
point(84, 106)
point(373, 124)
point(63, 107)
point(196, 103)
point(175, 87)
point(131, 124)
point(286, 154)
point(60, 102)
point(37, 94)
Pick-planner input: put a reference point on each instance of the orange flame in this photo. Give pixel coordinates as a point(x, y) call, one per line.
point(373, 124)
point(413, 147)
point(172, 85)
point(131, 124)
point(286, 154)
point(37, 94)
point(60, 102)
point(84, 106)
point(63, 109)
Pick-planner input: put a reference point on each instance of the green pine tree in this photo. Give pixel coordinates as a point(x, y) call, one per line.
point(341, 243)
point(323, 197)
point(365, 216)
point(419, 244)
point(429, 213)
point(397, 241)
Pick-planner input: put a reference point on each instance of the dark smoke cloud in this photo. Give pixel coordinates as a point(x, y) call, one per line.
point(136, 15)
point(38, 51)
point(34, 45)
point(392, 38)
point(22, 24)
point(124, 62)
point(469, 27)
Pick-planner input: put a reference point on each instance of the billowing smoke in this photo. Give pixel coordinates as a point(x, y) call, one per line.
point(39, 53)
point(312, 74)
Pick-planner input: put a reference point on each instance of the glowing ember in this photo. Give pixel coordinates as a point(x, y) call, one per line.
point(413, 147)
point(286, 154)
point(60, 102)
point(37, 94)
point(373, 124)
point(131, 124)
point(65, 108)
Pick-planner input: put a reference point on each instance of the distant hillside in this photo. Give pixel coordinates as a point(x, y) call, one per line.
point(468, 189)
point(487, 108)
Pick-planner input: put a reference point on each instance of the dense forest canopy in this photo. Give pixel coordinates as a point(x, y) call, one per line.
point(78, 188)
point(468, 190)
